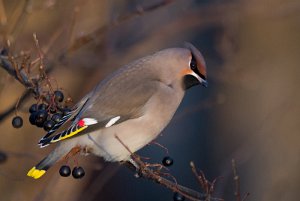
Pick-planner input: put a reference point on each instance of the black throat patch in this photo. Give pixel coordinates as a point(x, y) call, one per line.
point(189, 81)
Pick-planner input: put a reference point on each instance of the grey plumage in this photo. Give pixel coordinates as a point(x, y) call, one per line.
point(138, 100)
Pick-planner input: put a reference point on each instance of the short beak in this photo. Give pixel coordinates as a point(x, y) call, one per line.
point(203, 82)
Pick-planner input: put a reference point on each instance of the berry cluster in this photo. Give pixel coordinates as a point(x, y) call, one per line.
point(77, 172)
point(45, 115)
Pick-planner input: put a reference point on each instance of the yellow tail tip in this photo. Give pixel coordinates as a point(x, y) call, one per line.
point(35, 173)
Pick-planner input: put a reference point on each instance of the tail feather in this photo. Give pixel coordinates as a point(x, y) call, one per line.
point(40, 169)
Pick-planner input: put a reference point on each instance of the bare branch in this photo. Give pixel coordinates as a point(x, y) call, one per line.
point(3, 17)
point(147, 173)
point(236, 179)
point(140, 10)
point(207, 187)
point(20, 21)
point(21, 75)
point(161, 146)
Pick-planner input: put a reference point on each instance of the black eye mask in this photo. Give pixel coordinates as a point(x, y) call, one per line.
point(194, 67)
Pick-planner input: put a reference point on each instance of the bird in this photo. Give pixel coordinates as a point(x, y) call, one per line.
point(129, 107)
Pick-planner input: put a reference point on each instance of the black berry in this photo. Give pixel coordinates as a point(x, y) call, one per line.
point(3, 157)
point(167, 161)
point(33, 108)
point(48, 125)
point(178, 197)
point(17, 122)
point(32, 118)
point(78, 172)
point(58, 96)
point(42, 106)
point(65, 171)
point(52, 109)
point(41, 117)
point(56, 117)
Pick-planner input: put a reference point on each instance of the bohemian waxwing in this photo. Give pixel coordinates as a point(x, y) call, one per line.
point(135, 104)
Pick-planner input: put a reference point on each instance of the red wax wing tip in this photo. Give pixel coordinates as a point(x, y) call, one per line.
point(81, 123)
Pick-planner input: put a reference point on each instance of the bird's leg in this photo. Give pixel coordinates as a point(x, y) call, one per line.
point(134, 164)
point(72, 152)
point(140, 168)
point(131, 164)
point(86, 150)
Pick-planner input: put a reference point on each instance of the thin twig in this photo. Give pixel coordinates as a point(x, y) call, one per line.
point(18, 101)
point(11, 109)
point(21, 75)
point(21, 19)
point(52, 40)
point(149, 174)
point(140, 10)
point(207, 187)
point(3, 18)
point(43, 73)
point(16, 68)
point(194, 170)
point(161, 146)
point(26, 81)
point(72, 24)
point(236, 179)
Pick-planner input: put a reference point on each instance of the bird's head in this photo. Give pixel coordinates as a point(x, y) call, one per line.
point(183, 66)
point(196, 71)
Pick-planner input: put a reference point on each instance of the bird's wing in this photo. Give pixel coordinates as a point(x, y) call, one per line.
point(111, 103)
point(68, 116)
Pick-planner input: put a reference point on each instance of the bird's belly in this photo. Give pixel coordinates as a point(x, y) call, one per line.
point(110, 143)
point(133, 134)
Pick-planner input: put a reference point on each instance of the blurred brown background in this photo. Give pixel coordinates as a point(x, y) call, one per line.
point(250, 111)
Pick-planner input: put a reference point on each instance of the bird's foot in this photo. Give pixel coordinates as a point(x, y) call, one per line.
point(131, 164)
point(73, 152)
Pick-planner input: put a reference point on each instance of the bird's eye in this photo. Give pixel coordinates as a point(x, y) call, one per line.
point(193, 63)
